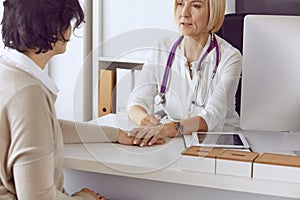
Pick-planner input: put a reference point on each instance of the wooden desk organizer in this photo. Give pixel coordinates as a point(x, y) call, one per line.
point(277, 167)
point(236, 163)
point(199, 159)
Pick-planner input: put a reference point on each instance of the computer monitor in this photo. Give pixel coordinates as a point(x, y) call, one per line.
point(270, 97)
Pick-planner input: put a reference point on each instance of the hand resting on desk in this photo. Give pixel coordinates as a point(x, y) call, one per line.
point(152, 134)
point(127, 138)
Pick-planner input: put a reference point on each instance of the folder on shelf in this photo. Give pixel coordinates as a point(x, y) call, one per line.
point(126, 80)
point(124, 85)
point(105, 92)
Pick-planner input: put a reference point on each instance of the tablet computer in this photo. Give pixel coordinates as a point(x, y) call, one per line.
point(217, 139)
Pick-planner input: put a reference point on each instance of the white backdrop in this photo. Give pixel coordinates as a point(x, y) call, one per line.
point(132, 23)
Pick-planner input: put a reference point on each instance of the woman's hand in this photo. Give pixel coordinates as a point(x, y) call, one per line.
point(93, 194)
point(124, 138)
point(152, 134)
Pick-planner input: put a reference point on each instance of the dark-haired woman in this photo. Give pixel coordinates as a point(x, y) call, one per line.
point(31, 136)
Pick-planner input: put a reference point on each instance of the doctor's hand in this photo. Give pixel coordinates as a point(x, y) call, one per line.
point(150, 135)
point(127, 138)
point(150, 120)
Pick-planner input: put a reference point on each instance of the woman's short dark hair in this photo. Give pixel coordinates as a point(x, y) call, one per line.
point(37, 24)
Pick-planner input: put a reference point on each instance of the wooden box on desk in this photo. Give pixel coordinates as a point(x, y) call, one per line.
point(277, 167)
point(201, 159)
point(236, 163)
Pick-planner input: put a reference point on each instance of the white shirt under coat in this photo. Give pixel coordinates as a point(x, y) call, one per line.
point(180, 92)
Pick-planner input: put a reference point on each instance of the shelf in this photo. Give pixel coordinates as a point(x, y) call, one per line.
point(120, 60)
point(110, 63)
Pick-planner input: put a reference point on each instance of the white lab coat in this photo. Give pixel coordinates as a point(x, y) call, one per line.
point(180, 92)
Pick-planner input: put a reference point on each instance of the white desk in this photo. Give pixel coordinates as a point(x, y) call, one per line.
point(156, 166)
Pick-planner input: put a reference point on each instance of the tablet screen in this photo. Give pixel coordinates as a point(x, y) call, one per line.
point(219, 139)
point(216, 139)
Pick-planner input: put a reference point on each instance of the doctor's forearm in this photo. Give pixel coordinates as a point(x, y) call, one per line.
point(194, 124)
point(136, 114)
point(190, 125)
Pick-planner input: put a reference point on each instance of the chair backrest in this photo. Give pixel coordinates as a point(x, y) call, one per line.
point(232, 31)
point(273, 7)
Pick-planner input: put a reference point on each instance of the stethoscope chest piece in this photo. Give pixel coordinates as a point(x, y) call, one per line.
point(159, 99)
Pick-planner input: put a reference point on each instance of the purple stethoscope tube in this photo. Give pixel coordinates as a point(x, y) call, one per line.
point(160, 98)
point(169, 64)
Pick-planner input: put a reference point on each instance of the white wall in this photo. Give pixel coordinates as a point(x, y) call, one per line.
point(66, 72)
point(121, 16)
point(129, 27)
point(230, 6)
point(72, 75)
point(126, 26)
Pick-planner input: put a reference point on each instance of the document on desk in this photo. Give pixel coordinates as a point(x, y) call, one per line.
point(228, 140)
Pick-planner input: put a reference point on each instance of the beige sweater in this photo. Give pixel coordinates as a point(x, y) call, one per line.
point(31, 139)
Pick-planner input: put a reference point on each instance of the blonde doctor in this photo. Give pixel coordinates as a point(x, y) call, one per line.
point(194, 78)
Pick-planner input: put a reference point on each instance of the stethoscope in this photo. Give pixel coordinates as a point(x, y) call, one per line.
point(160, 98)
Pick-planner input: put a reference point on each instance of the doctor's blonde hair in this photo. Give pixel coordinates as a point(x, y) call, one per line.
point(216, 14)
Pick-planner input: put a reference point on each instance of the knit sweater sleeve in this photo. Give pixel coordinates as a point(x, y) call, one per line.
point(85, 132)
point(34, 151)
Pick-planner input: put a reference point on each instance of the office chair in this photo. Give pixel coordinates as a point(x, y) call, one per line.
point(232, 31)
point(269, 7)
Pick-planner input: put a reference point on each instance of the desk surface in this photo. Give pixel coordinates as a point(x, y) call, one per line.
point(158, 163)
